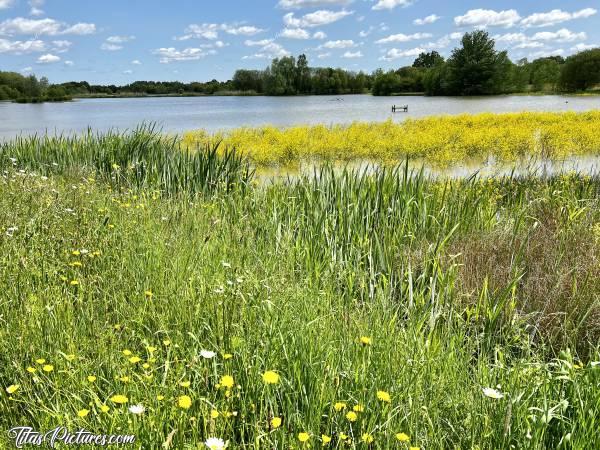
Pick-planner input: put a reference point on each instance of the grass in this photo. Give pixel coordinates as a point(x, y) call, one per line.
point(349, 286)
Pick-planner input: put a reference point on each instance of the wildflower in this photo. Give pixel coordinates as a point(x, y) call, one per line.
point(31, 370)
point(367, 438)
point(124, 379)
point(137, 409)
point(402, 437)
point(75, 264)
point(270, 377)
point(492, 393)
point(339, 406)
point(358, 408)
point(91, 378)
point(415, 448)
point(40, 361)
point(226, 381)
point(275, 422)
point(69, 357)
point(104, 408)
point(74, 283)
point(148, 294)
point(13, 388)
point(151, 349)
point(215, 443)
point(207, 354)
point(48, 368)
point(116, 166)
point(303, 437)
point(76, 253)
point(166, 342)
point(351, 416)
point(214, 414)
point(383, 396)
point(146, 366)
point(83, 412)
point(160, 397)
point(185, 384)
point(119, 399)
point(343, 436)
point(127, 352)
point(134, 359)
point(364, 340)
point(184, 402)
point(325, 439)
point(227, 356)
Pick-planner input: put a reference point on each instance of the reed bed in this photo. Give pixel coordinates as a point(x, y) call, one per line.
point(354, 309)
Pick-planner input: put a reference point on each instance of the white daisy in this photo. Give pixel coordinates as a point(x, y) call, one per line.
point(492, 393)
point(215, 444)
point(207, 354)
point(137, 409)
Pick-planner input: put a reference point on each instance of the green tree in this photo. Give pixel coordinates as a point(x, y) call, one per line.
point(581, 71)
point(428, 60)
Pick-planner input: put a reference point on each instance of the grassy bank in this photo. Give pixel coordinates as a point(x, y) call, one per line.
point(442, 141)
point(379, 311)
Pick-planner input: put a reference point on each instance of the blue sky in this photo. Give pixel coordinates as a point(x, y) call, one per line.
point(119, 41)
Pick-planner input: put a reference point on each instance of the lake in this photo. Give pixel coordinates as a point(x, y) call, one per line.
point(175, 114)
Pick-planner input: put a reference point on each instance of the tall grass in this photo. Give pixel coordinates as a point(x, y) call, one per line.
point(435, 292)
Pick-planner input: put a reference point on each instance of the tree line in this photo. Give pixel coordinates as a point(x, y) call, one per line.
point(473, 68)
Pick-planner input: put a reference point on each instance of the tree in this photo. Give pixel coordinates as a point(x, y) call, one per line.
point(545, 73)
point(428, 60)
point(581, 71)
point(476, 68)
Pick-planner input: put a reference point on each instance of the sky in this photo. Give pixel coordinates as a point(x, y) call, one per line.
point(120, 41)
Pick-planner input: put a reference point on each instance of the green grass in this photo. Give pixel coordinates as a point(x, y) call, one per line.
point(461, 285)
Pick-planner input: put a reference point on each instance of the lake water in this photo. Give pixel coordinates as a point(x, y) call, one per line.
point(175, 114)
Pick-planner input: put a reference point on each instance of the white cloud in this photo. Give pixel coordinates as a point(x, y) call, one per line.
point(297, 4)
point(315, 19)
point(268, 50)
point(128, 72)
point(352, 55)
point(404, 38)
point(488, 18)
point(48, 59)
point(319, 35)
point(20, 47)
point(170, 54)
point(547, 53)
point(347, 43)
point(119, 39)
point(395, 53)
point(555, 17)
point(427, 20)
point(69, 63)
point(391, 4)
point(136, 62)
point(80, 29)
point(43, 27)
point(61, 46)
point(211, 31)
point(324, 55)
point(244, 30)
point(295, 33)
point(111, 47)
point(562, 35)
point(261, 43)
point(36, 7)
point(582, 47)
point(5, 4)
point(28, 69)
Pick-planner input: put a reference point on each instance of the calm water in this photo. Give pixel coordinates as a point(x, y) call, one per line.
point(214, 113)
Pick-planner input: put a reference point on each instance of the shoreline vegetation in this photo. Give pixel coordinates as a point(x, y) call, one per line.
point(158, 290)
point(474, 68)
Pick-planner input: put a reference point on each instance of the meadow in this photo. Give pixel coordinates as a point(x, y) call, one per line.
point(154, 289)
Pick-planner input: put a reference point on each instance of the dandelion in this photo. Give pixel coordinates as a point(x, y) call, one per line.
point(185, 384)
point(184, 402)
point(74, 283)
point(13, 388)
point(351, 416)
point(402, 437)
point(104, 408)
point(135, 359)
point(270, 377)
point(227, 381)
point(214, 414)
point(83, 412)
point(492, 393)
point(137, 409)
point(215, 443)
point(146, 366)
point(367, 438)
point(127, 352)
point(48, 368)
point(124, 379)
point(303, 437)
point(364, 340)
point(40, 361)
point(166, 342)
point(325, 439)
point(275, 422)
point(151, 349)
point(383, 396)
point(119, 399)
point(70, 357)
point(358, 408)
point(160, 397)
point(339, 406)
point(415, 448)
point(207, 354)
point(31, 370)
point(227, 356)
point(148, 294)
point(91, 378)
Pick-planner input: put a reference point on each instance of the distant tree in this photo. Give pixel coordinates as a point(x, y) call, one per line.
point(248, 80)
point(428, 60)
point(545, 73)
point(581, 71)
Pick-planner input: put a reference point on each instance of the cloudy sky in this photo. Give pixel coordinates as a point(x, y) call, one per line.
point(119, 41)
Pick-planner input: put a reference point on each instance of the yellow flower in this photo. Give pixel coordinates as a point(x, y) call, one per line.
point(151, 349)
point(303, 437)
point(343, 436)
point(83, 412)
point(91, 378)
point(104, 408)
point(160, 397)
point(227, 356)
point(134, 359)
point(185, 384)
point(48, 368)
point(13, 388)
point(358, 408)
point(146, 366)
point(384, 396)
point(325, 439)
point(148, 294)
point(367, 438)
point(270, 377)
point(415, 448)
point(69, 357)
point(127, 352)
point(119, 399)
point(76, 253)
point(226, 381)
point(214, 414)
point(75, 264)
point(402, 437)
point(40, 361)
point(74, 283)
point(275, 422)
point(184, 402)
point(166, 342)
point(339, 406)
point(124, 379)
point(351, 416)
point(364, 340)
point(31, 370)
